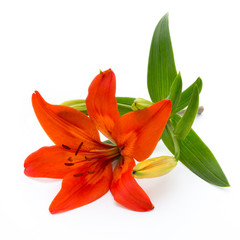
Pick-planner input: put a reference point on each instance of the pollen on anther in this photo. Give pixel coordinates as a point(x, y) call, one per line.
point(66, 147)
point(78, 174)
point(69, 164)
point(79, 147)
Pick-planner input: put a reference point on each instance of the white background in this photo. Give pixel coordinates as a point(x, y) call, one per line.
point(57, 48)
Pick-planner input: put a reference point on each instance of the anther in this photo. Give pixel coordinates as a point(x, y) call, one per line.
point(69, 164)
point(78, 174)
point(66, 147)
point(79, 147)
point(90, 172)
point(70, 159)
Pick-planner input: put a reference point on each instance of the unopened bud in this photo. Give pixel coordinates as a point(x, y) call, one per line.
point(79, 104)
point(154, 167)
point(140, 103)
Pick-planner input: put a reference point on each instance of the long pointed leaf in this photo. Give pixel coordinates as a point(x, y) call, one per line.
point(175, 92)
point(195, 155)
point(187, 94)
point(161, 65)
point(184, 125)
point(172, 139)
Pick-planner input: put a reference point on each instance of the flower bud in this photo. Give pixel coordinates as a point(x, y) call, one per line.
point(79, 104)
point(154, 167)
point(140, 103)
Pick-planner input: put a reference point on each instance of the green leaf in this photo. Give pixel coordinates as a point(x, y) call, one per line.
point(184, 125)
point(175, 92)
point(124, 104)
point(161, 65)
point(187, 94)
point(123, 109)
point(125, 100)
point(196, 156)
point(173, 140)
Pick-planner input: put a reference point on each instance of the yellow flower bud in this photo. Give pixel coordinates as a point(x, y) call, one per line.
point(140, 103)
point(154, 167)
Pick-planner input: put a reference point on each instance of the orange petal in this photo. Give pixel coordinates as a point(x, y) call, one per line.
point(101, 102)
point(126, 190)
point(137, 133)
point(80, 188)
point(49, 162)
point(65, 125)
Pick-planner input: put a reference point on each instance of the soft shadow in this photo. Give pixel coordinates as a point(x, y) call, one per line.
point(45, 180)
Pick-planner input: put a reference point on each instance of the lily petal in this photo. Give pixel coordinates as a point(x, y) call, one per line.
point(126, 190)
point(49, 162)
point(65, 125)
point(80, 188)
point(137, 133)
point(101, 102)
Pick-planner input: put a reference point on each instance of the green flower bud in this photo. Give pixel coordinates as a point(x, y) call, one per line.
point(140, 103)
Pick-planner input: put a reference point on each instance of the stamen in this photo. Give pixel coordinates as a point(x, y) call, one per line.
point(78, 174)
point(79, 147)
point(66, 147)
point(68, 164)
point(70, 159)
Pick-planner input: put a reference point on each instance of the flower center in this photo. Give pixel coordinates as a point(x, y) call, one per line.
point(91, 157)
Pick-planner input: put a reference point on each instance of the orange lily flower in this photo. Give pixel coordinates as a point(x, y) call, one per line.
point(83, 161)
